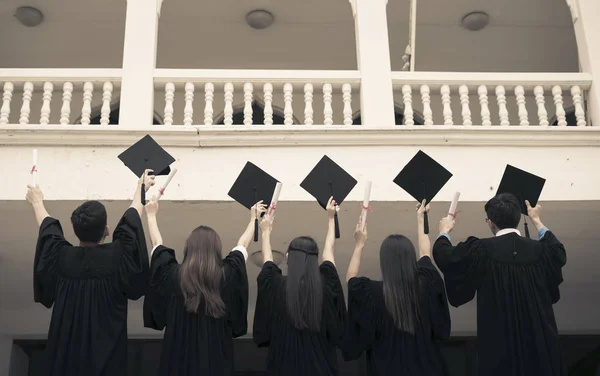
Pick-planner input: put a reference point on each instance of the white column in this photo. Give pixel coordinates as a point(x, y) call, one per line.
point(139, 62)
point(373, 56)
point(587, 29)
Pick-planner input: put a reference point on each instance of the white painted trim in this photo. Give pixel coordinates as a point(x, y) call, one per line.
point(301, 135)
point(473, 79)
point(61, 75)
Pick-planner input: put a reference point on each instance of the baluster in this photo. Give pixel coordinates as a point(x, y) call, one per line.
point(188, 110)
point(578, 102)
point(308, 104)
point(248, 88)
point(347, 98)
point(288, 111)
point(26, 108)
point(65, 110)
point(327, 99)
point(538, 91)
point(445, 91)
point(426, 99)
point(483, 103)
point(520, 95)
point(46, 98)
point(6, 99)
point(86, 111)
point(209, 97)
point(558, 102)
point(268, 91)
point(228, 112)
point(502, 111)
point(407, 100)
point(169, 99)
point(463, 91)
point(107, 90)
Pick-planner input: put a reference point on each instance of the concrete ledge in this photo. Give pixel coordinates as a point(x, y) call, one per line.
point(277, 136)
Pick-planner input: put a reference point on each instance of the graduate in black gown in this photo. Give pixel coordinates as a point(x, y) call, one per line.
point(300, 317)
point(516, 280)
point(202, 302)
point(89, 285)
point(397, 321)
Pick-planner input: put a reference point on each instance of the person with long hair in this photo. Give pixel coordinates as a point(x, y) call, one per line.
point(300, 317)
point(398, 320)
point(202, 302)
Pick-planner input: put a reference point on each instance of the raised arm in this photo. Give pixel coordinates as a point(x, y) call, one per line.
point(424, 242)
point(266, 227)
point(360, 238)
point(36, 199)
point(148, 181)
point(534, 215)
point(151, 214)
point(248, 234)
point(328, 250)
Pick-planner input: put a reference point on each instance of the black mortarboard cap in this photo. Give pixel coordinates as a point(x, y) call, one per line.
point(147, 154)
point(328, 179)
point(251, 186)
point(524, 186)
point(423, 178)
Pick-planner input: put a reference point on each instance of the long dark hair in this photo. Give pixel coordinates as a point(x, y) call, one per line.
point(201, 272)
point(304, 292)
point(400, 281)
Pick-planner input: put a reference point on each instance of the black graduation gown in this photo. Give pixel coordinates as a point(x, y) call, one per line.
point(89, 288)
point(295, 352)
point(516, 280)
point(195, 344)
point(370, 327)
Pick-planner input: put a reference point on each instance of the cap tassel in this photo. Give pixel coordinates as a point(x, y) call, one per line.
point(143, 188)
point(425, 216)
point(526, 228)
point(256, 219)
point(335, 215)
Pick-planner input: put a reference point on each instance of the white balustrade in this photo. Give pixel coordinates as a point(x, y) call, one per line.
point(86, 111)
point(308, 104)
point(209, 97)
point(107, 90)
point(47, 97)
point(228, 112)
point(248, 88)
point(169, 99)
point(268, 110)
point(6, 98)
point(288, 111)
point(528, 94)
point(188, 111)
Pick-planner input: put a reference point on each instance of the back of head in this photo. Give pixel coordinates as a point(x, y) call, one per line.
point(304, 291)
point(201, 272)
point(400, 281)
point(89, 221)
point(504, 211)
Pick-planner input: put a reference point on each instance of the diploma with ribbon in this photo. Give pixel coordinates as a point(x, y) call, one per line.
point(365, 206)
point(161, 191)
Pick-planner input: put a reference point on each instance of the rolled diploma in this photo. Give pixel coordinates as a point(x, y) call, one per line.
point(454, 204)
point(162, 190)
point(34, 168)
point(363, 215)
point(275, 198)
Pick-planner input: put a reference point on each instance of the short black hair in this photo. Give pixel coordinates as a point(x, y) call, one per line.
point(504, 210)
point(89, 221)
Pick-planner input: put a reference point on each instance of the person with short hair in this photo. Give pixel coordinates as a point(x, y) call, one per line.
point(516, 280)
point(89, 284)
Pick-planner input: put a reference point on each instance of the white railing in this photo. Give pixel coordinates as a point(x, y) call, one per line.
point(229, 97)
point(492, 98)
point(30, 95)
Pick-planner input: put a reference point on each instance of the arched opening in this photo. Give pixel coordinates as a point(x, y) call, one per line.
point(258, 115)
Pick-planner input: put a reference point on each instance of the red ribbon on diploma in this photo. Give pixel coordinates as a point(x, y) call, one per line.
point(368, 208)
point(161, 191)
point(33, 169)
point(453, 215)
point(272, 208)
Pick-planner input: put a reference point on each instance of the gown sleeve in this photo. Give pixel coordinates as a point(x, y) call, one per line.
point(439, 313)
point(129, 236)
point(334, 303)
point(160, 287)
point(554, 257)
point(363, 317)
point(461, 267)
point(268, 281)
point(237, 291)
point(45, 264)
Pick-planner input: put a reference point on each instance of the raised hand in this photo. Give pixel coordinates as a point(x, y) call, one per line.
point(257, 210)
point(34, 195)
point(447, 225)
point(266, 224)
point(360, 236)
point(152, 206)
point(332, 207)
point(533, 212)
point(422, 208)
point(147, 179)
